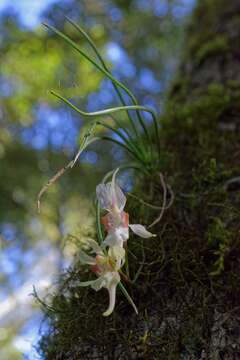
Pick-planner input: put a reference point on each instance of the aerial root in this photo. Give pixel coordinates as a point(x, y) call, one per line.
point(166, 189)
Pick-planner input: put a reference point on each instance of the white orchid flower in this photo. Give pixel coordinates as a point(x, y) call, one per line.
point(116, 222)
point(106, 267)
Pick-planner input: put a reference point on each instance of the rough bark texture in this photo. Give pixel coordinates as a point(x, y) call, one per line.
point(188, 291)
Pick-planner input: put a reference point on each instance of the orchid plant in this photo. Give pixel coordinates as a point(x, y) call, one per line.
point(110, 251)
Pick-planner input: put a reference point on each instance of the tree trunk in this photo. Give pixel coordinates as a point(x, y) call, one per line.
point(188, 291)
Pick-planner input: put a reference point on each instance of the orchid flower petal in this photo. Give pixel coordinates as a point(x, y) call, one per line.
point(110, 195)
point(95, 284)
point(141, 231)
point(103, 193)
point(117, 237)
point(86, 259)
point(99, 283)
point(112, 240)
point(95, 246)
point(112, 300)
point(117, 253)
point(118, 197)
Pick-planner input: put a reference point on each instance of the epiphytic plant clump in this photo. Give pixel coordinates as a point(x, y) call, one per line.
point(107, 256)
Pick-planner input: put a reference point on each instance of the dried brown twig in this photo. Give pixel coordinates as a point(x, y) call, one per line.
point(51, 182)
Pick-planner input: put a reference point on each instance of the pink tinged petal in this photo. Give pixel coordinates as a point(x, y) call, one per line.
point(112, 300)
point(96, 269)
point(141, 231)
point(108, 222)
point(118, 197)
point(125, 219)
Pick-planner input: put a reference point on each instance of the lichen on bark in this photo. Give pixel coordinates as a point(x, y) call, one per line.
point(188, 290)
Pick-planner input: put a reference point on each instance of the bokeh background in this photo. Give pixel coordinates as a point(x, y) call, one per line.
point(142, 41)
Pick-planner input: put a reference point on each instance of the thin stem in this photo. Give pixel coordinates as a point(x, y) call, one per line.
point(126, 294)
point(154, 117)
point(98, 222)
